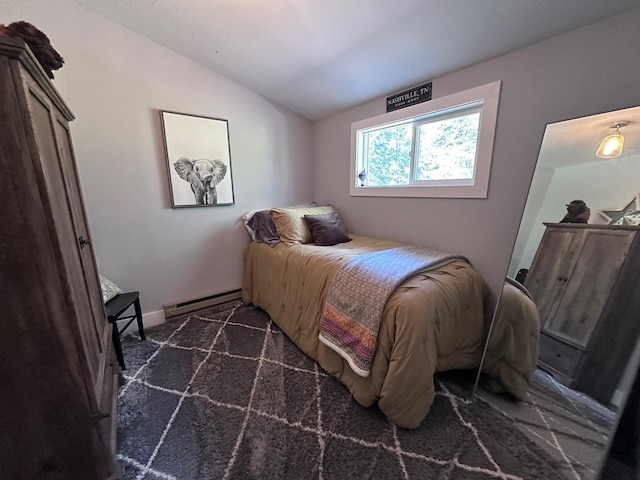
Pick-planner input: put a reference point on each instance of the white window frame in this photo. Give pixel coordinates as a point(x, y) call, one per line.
point(487, 95)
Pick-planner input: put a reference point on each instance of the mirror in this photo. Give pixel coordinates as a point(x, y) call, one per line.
point(573, 327)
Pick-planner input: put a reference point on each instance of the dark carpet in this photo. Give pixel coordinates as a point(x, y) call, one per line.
point(224, 394)
point(567, 424)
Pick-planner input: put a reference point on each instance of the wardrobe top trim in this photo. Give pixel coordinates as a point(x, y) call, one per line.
point(17, 48)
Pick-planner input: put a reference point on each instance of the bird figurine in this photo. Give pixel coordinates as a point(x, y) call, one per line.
point(38, 42)
point(362, 176)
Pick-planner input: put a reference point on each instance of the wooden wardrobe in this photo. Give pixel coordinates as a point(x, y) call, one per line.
point(585, 281)
point(58, 375)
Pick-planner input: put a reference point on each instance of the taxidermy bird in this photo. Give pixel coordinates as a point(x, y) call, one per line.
point(38, 42)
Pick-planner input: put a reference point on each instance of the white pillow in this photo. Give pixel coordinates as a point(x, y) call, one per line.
point(109, 289)
point(245, 220)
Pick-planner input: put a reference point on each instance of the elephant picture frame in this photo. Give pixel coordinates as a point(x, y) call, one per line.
point(198, 158)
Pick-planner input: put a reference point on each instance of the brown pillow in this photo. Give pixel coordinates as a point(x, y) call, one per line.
point(290, 223)
point(327, 229)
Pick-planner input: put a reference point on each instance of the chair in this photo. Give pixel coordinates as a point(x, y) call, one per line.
point(521, 276)
point(115, 309)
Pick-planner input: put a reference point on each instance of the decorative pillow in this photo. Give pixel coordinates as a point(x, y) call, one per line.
point(246, 218)
point(109, 289)
point(326, 229)
point(264, 230)
point(290, 223)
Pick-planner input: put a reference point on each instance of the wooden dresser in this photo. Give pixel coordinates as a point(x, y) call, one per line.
point(585, 280)
point(58, 374)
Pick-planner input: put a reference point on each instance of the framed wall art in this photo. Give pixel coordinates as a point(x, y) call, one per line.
point(198, 157)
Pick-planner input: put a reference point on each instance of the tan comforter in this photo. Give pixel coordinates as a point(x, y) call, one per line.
point(432, 322)
point(513, 346)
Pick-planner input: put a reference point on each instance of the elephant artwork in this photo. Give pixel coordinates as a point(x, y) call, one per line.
point(203, 175)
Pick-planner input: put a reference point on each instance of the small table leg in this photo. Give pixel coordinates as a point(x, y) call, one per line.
point(116, 343)
point(136, 305)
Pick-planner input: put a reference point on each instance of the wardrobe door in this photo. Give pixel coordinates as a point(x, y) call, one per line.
point(590, 284)
point(614, 339)
point(70, 173)
point(66, 242)
point(552, 265)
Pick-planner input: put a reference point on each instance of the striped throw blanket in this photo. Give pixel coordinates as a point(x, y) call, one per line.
point(358, 294)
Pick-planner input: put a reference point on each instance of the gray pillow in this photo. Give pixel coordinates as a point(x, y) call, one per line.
point(264, 230)
point(326, 229)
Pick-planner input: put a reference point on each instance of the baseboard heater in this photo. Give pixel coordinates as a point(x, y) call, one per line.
point(198, 303)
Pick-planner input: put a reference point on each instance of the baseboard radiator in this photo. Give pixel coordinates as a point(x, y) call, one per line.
point(198, 303)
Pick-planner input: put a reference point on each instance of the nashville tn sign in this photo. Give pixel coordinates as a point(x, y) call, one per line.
point(409, 97)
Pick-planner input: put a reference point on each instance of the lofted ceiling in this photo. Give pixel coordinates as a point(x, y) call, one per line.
point(317, 57)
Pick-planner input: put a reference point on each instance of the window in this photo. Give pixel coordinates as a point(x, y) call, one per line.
point(440, 148)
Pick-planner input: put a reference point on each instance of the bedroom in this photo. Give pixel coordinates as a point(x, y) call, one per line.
point(281, 158)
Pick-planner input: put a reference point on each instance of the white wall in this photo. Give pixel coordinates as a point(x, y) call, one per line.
point(609, 185)
point(115, 82)
point(540, 183)
point(591, 70)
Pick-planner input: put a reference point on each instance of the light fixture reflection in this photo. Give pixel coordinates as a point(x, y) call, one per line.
point(611, 146)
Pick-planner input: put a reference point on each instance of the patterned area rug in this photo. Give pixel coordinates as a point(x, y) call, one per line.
point(567, 424)
point(224, 394)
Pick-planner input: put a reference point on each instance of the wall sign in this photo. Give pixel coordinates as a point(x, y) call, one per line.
point(419, 94)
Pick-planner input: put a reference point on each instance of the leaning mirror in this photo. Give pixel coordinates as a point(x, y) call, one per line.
point(564, 336)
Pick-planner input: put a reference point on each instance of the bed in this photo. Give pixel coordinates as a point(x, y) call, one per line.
point(435, 320)
point(512, 350)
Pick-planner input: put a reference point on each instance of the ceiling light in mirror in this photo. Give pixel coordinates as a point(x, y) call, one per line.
point(611, 146)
